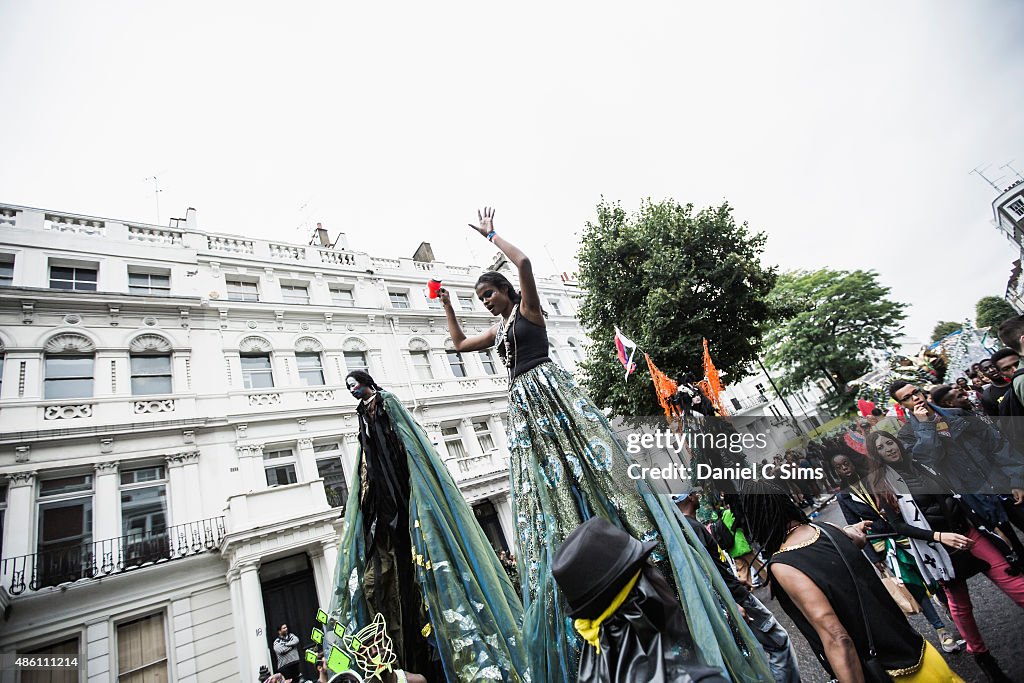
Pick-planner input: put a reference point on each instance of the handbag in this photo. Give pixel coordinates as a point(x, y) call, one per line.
point(900, 595)
point(874, 671)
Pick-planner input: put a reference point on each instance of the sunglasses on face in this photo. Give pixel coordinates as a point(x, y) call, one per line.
point(912, 394)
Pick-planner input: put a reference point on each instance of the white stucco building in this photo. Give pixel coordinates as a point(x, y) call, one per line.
point(176, 439)
point(753, 397)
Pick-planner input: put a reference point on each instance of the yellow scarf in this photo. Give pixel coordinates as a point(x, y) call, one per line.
point(590, 629)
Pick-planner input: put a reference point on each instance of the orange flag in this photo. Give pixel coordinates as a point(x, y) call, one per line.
point(665, 386)
point(711, 384)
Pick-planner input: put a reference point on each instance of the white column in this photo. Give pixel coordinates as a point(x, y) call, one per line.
point(316, 559)
point(103, 376)
point(469, 439)
point(250, 464)
point(254, 621)
point(503, 507)
point(439, 363)
point(176, 489)
point(18, 520)
point(306, 459)
point(498, 431)
point(106, 504)
point(378, 369)
point(248, 671)
point(330, 549)
point(193, 493)
point(350, 457)
point(180, 381)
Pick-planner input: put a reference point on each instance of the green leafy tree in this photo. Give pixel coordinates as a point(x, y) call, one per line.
point(669, 276)
point(943, 329)
point(992, 310)
point(841, 317)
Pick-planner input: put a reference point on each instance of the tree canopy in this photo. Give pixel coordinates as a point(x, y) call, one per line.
point(992, 310)
point(943, 329)
point(668, 276)
point(840, 318)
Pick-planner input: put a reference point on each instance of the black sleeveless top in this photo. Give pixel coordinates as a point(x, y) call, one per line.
point(900, 648)
point(527, 345)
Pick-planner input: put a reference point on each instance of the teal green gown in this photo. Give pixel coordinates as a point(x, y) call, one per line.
point(475, 616)
point(566, 466)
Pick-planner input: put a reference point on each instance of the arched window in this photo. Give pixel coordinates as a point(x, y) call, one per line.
point(310, 361)
point(68, 367)
point(254, 354)
point(150, 357)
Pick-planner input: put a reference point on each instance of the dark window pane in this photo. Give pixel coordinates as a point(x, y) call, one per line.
point(144, 511)
point(334, 480)
point(307, 360)
point(261, 362)
point(311, 378)
point(142, 474)
point(151, 365)
point(279, 476)
point(52, 487)
point(58, 366)
point(148, 386)
point(62, 273)
point(67, 388)
point(65, 523)
point(85, 275)
point(258, 380)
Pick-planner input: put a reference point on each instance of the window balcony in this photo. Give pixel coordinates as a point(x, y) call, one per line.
point(57, 567)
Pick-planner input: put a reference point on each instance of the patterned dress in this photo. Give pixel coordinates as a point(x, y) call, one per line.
point(566, 466)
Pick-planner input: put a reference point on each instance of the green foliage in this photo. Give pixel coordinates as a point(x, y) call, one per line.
point(842, 316)
point(943, 329)
point(992, 310)
point(668, 276)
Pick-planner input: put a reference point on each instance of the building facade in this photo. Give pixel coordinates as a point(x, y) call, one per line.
point(1008, 217)
point(177, 442)
point(760, 410)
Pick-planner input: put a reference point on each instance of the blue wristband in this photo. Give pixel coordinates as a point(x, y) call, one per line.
point(490, 236)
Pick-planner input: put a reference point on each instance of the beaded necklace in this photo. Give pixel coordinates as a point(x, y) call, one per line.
point(503, 339)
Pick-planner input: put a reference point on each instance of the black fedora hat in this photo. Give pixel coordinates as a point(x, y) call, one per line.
point(593, 564)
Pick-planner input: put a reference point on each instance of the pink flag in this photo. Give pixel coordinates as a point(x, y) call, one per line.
point(622, 346)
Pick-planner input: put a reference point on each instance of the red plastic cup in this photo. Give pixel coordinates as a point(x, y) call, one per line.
point(433, 287)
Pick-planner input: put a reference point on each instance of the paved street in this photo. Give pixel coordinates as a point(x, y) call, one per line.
point(999, 619)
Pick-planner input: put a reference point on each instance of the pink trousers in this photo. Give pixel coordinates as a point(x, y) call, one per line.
point(960, 607)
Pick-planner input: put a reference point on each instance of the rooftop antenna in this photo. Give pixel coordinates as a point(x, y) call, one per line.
point(156, 193)
point(1015, 171)
point(981, 172)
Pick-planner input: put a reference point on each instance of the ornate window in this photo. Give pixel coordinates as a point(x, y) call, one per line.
point(68, 367)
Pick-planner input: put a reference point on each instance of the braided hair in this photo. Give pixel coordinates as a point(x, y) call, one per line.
point(769, 509)
point(363, 378)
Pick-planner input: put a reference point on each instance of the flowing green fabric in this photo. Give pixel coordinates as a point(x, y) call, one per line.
point(475, 614)
point(567, 466)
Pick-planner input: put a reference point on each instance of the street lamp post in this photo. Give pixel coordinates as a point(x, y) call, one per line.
point(785, 403)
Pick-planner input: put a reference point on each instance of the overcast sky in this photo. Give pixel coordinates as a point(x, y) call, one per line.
point(846, 131)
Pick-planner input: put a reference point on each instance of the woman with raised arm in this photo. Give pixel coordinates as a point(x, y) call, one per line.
point(414, 552)
point(567, 466)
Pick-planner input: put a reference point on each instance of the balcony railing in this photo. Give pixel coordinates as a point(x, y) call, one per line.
point(95, 560)
point(745, 403)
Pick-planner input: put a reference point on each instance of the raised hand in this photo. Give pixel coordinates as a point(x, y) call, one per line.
point(445, 297)
point(486, 220)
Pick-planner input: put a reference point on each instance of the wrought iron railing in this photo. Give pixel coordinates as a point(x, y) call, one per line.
point(744, 403)
point(85, 561)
